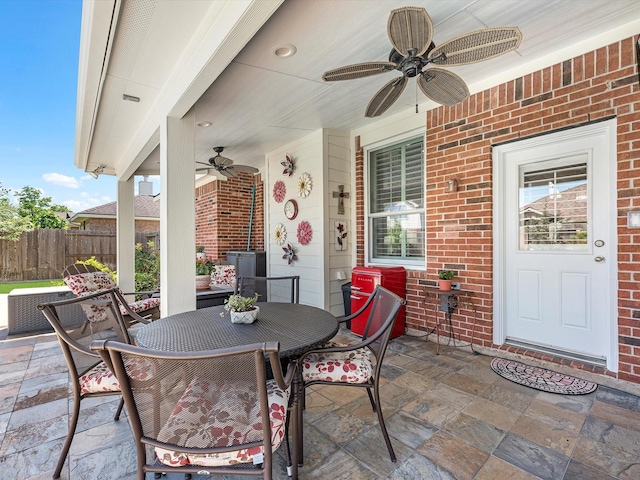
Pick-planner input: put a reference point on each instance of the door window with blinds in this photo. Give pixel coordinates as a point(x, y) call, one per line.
point(396, 204)
point(554, 207)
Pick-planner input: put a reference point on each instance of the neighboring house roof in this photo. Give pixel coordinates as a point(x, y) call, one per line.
point(145, 208)
point(570, 204)
point(67, 216)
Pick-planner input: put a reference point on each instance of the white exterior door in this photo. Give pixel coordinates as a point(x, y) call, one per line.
point(556, 249)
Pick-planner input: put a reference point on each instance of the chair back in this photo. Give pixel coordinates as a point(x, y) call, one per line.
point(75, 338)
point(198, 408)
point(385, 306)
point(270, 289)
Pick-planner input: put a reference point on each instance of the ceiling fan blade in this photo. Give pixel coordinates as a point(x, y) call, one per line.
point(442, 86)
point(244, 168)
point(477, 46)
point(357, 70)
point(385, 97)
point(227, 172)
point(219, 161)
point(202, 163)
point(410, 28)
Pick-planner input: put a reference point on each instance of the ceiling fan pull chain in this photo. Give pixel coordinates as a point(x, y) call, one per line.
point(416, 97)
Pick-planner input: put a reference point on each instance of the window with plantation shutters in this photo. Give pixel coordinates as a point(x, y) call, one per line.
point(396, 204)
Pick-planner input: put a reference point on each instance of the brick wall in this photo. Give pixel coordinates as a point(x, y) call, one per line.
point(223, 210)
point(458, 144)
point(109, 225)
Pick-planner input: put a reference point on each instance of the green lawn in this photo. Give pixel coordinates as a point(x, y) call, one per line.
point(7, 287)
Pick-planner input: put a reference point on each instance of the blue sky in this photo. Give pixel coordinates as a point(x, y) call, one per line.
point(39, 45)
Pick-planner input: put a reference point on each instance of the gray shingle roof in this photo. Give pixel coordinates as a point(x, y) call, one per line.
point(144, 206)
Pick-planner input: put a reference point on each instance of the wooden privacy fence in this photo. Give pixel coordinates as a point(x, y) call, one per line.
point(42, 254)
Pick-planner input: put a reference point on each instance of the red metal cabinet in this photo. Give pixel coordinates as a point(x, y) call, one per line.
point(364, 280)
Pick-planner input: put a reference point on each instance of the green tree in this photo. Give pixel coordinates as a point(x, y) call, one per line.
point(11, 223)
point(39, 209)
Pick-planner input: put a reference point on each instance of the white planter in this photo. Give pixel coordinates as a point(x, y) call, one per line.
point(201, 255)
point(245, 317)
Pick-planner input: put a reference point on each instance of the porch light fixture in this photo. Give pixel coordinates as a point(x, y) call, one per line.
point(97, 171)
point(130, 98)
point(452, 185)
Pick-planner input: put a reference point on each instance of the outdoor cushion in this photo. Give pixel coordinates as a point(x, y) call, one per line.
point(224, 275)
point(100, 379)
point(221, 415)
point(86, 283)
point(353, 366)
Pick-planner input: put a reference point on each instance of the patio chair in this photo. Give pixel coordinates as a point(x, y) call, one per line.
point(270, 289)
point(208, 412)
point(356, 365)
point(85, 279)
point(90, 377)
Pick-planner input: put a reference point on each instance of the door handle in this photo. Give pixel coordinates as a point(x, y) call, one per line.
point(599, 259)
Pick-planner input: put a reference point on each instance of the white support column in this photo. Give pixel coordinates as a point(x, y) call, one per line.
point(177, 215)
point(126, 236)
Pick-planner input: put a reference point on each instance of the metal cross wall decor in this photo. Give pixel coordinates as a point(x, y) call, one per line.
point(340, 195)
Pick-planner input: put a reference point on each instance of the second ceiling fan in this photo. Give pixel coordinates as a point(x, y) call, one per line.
point(225, 165)
point(410, 31)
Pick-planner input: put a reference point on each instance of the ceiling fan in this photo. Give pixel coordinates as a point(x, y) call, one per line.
point(225, 165)
point(410, 30)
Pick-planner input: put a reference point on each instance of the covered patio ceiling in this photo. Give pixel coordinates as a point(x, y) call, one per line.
point(257, 101)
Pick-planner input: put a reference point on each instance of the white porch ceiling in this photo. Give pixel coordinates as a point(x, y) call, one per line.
point(261, 102)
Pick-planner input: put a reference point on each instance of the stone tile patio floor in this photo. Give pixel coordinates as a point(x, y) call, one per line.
point(450, 417)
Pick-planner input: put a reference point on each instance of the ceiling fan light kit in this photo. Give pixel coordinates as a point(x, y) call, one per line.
point(410, 31)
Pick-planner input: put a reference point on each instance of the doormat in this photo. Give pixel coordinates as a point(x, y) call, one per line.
point(541, 378)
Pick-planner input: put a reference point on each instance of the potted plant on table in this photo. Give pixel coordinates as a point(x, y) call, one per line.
point(445, 277)
point(241, 309)
point(204, 268)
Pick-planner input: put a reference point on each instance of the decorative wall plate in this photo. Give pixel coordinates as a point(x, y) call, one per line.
point(280, 234)
point(304, 232)
point(304, 185)
point(288, 165)
point(279, 191)
point(291, 209)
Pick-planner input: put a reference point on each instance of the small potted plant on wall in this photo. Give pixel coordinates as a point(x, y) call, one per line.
point(445, 277)
point(204, 268)
point(241, 309)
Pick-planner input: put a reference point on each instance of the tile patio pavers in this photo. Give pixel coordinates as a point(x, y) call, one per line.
point(449, 417)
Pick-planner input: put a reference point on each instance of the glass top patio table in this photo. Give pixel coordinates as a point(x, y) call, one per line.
point(298, 328)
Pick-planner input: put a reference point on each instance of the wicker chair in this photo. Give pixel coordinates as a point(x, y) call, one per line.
point(207, 412)
point(84, 279)
point(270, 289)
point(90, 377)
point(362, 361)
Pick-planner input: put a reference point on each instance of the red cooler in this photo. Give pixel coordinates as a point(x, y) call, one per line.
point(364, 280)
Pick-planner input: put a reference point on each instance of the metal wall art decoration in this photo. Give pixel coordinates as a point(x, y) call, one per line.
point(304, 185)
point(340, 195)
point(280, 234)
point(304, 232)
point(279, 191)
point(288, 165)
point(340, 235)
point(289, 254)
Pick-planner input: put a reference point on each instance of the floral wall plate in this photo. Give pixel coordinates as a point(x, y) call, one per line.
point(304, 232)
point(280, 234)
point(279, 191)
point(304, 185)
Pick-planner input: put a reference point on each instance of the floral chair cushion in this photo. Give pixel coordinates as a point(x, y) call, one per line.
point(354, 366)
point(87, 283)
point(100, 379)
point(224, 275)
point(220, 415)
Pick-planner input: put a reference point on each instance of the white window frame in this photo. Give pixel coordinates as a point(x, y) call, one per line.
point(368, 260)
